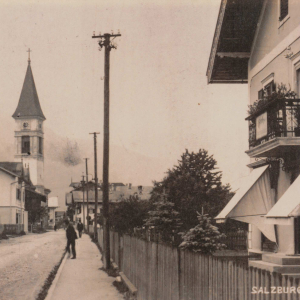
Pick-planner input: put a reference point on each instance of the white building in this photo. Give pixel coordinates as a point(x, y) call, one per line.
point(12, 209)
point(52, 206)
point(22, 181)
point(257, 42)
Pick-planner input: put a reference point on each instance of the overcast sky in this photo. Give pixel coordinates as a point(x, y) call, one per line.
point(160, 100)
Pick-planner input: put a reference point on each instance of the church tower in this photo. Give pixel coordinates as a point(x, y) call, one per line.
point(29, 134)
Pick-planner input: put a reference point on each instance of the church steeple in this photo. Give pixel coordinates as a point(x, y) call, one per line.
point(29, 104)
point(29, 134)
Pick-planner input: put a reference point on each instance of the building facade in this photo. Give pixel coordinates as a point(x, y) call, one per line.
point(258, 42)
point(12, 209)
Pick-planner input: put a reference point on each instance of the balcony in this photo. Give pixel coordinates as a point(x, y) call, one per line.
point(274, 129)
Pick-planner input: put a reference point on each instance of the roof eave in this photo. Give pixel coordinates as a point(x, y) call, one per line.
point(215, 41)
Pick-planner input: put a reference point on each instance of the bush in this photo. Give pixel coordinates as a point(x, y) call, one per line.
point(204, 238)
point(4, 236)
point(22, 232)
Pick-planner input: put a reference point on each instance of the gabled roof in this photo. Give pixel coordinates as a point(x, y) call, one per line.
point(121, 192)
point(75, 184)
point(78, 196)
point(117, 184)
point(29, 104)
point(124, 192)
point(8, 172)
point(13, 167)
point(31, 196)
point(232, 42)
point(17, 169)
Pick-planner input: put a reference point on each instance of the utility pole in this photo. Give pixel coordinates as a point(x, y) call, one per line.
point(105, 41)
point(82, 184)
point(96, 185)
point(87, 195)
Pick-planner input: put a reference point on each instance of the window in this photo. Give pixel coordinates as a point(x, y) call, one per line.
point(40, 145)
point(269, 88)
point(26, 144)
point(18, 194)
point(298, 81)
point(284, 9)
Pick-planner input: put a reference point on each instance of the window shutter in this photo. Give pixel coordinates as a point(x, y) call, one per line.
point(260, 94)
point(284, 9)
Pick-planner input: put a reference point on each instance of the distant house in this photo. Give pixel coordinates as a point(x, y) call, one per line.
point(17, 192)
point(12, 199)
point(52, 206)
point(118, 192)
point(258, 42)
point(59, 216)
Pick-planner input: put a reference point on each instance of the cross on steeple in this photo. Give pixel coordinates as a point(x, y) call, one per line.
point(29, 55)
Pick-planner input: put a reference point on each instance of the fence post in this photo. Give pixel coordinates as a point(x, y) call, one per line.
point(179, 272)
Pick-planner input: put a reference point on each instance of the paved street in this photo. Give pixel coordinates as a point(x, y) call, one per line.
point(82, 278)
point(25, 263)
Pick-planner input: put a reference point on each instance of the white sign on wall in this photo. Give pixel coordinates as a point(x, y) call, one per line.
point(261, 126)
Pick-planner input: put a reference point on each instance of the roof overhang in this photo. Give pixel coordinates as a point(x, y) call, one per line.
point(8, 172)
point(30, 194)
point(232, 42)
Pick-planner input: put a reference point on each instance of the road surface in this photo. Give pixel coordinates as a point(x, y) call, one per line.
point(26, 261)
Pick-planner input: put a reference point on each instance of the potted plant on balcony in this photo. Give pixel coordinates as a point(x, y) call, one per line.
point(280, 93)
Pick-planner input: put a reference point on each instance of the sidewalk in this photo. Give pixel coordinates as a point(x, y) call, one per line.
point(82, 279)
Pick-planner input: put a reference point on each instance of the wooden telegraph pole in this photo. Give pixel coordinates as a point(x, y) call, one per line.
point(96, 185)
point(105, 41)
point(87, 195)
point(83, 213)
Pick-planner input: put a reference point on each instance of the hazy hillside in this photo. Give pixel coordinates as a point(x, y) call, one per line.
point(64, 160)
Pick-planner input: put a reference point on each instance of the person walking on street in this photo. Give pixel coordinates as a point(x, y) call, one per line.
point(71, 237)
point(80, 228)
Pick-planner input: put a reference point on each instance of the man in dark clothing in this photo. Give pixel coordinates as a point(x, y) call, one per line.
point(80, 228)
point(71, 237)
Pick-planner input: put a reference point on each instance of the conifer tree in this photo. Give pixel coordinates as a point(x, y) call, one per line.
point(192, 185)
point(204, 238)
point(164, 219)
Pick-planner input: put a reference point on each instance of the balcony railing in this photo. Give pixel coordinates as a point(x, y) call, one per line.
point(279, 118)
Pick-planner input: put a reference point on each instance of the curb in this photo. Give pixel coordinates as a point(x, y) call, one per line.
point(54, 283)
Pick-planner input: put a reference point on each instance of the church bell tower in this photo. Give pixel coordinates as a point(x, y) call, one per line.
point(29, 134)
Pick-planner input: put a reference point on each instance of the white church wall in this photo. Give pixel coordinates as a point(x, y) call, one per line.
point(5, 188)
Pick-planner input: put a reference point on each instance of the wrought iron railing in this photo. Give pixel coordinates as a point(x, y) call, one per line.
point(282, 120)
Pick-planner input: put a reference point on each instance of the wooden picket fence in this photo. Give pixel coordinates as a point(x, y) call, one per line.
point(162, 272)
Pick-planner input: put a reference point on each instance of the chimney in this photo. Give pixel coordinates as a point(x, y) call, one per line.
point(129, 186)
